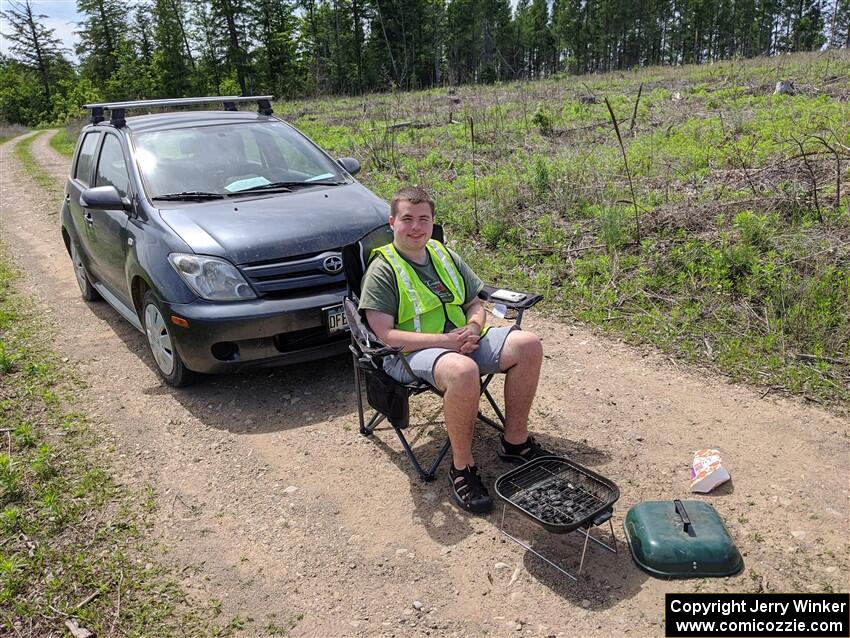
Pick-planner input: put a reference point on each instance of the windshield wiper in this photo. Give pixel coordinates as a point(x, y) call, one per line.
point(189, 196)
point(284, 186)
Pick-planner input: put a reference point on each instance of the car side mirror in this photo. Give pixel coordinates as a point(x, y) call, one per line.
point(349, 164)
point(104, 198)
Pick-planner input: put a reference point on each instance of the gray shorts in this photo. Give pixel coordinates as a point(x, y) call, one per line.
point(422, 362)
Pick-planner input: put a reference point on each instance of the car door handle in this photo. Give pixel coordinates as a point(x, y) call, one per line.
point(89, 219)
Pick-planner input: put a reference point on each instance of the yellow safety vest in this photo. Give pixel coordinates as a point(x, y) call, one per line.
point(420, 309)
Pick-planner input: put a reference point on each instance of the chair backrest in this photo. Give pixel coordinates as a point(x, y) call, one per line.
point(355, 256)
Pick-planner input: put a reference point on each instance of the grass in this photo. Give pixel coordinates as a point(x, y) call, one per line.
point(65, 140)
point(740, 199)
point(24, 154)
point(72, 541)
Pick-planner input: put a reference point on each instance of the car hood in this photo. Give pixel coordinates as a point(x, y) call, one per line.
point(249, 229)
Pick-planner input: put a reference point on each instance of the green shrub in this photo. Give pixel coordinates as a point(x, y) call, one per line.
point(542, 120)
point(10, 477)
point(614, 228)
point(756, 230)
point(541, 178)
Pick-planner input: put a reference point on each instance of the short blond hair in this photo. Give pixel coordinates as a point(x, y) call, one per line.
point(413, 195)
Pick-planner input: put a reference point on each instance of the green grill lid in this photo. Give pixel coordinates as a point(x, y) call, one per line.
point(681, 539)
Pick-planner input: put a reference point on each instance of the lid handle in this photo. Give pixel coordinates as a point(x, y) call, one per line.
point(683, 514)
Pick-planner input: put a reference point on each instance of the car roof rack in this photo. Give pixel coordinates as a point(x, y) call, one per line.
point(117, 110)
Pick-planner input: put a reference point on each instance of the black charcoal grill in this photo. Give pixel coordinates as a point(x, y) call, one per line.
point(562, 497)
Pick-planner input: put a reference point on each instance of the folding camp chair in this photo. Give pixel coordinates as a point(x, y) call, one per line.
point(389, 398)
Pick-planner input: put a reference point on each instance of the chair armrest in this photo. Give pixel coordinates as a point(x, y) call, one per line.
point(366, 341)
point(378, 349)
point(530, 298)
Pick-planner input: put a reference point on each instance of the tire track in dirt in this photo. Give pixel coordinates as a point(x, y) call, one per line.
point(360, 538)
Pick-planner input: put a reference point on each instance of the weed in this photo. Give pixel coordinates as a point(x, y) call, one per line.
point(542, 120)
point(613, 228)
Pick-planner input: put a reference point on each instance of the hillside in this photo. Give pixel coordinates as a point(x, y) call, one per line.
point(724, 244)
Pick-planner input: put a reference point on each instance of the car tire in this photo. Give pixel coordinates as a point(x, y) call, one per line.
point(87, 290)
point(167, 360)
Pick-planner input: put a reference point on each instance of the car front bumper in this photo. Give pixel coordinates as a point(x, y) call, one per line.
point(228, 337)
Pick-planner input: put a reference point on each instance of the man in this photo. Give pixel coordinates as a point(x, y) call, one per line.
point(422, 297)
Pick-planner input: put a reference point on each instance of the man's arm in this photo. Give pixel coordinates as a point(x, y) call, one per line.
point(475, 316)
point(383, 324)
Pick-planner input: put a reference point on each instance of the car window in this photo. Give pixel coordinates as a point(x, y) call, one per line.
point(111, 169)
point(227, 158)
point(82, 171)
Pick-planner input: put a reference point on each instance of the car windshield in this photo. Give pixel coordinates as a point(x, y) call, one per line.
point(228, 159)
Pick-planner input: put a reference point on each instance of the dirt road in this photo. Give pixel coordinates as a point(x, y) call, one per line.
point(263, 483)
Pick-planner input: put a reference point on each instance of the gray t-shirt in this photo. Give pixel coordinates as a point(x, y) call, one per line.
point(379, 291)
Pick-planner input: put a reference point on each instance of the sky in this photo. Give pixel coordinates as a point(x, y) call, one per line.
point(62, 16)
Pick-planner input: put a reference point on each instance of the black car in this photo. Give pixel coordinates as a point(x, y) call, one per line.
point(216, 233)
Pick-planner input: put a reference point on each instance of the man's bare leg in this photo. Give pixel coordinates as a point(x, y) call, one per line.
point(457, 377)
point(522, 356)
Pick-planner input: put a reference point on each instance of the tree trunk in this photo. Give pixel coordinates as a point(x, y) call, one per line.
point(183, 32)
point(234, 43)
point(42, 63)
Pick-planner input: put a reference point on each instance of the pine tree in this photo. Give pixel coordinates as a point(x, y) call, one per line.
point(276, 58)
point(100, 35)
point(35, 46)
point(171, 65)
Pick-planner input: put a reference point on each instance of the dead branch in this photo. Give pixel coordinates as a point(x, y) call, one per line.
point(814, 357)
point(85, 601)
point(634, 113)
point(551, 250)
point(403, 125)
point(628, 172)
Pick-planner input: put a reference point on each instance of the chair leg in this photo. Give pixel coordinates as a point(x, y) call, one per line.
point(494, 406)
point(374, 422)
point(359, 392)
point(493, 424)
point(432, 471)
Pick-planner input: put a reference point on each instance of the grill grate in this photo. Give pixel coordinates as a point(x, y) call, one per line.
point(557, 494)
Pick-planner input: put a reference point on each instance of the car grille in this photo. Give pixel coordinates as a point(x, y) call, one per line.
point(305, 272)
point(300, 339)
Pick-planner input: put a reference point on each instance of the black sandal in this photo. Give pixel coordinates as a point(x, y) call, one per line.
point(522, 452)
point(468, 490)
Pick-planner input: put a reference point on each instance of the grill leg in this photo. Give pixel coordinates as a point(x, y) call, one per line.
point(613, 537)
point(528, 548)
point(587, 537)
point(613, 550)
point(583, 550)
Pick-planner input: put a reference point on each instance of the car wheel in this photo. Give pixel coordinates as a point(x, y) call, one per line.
point(86, 289)
point(168, 362)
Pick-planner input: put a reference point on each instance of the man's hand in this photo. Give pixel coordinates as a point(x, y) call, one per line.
point(464, 340)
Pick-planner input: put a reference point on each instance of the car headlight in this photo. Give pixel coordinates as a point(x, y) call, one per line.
point(211, 278)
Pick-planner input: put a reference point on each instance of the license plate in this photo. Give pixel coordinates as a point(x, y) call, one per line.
point(334, 318)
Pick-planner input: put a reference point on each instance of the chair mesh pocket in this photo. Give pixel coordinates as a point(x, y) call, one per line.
point(388, 397)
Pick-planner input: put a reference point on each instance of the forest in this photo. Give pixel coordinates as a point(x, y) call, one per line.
point(310, 48)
